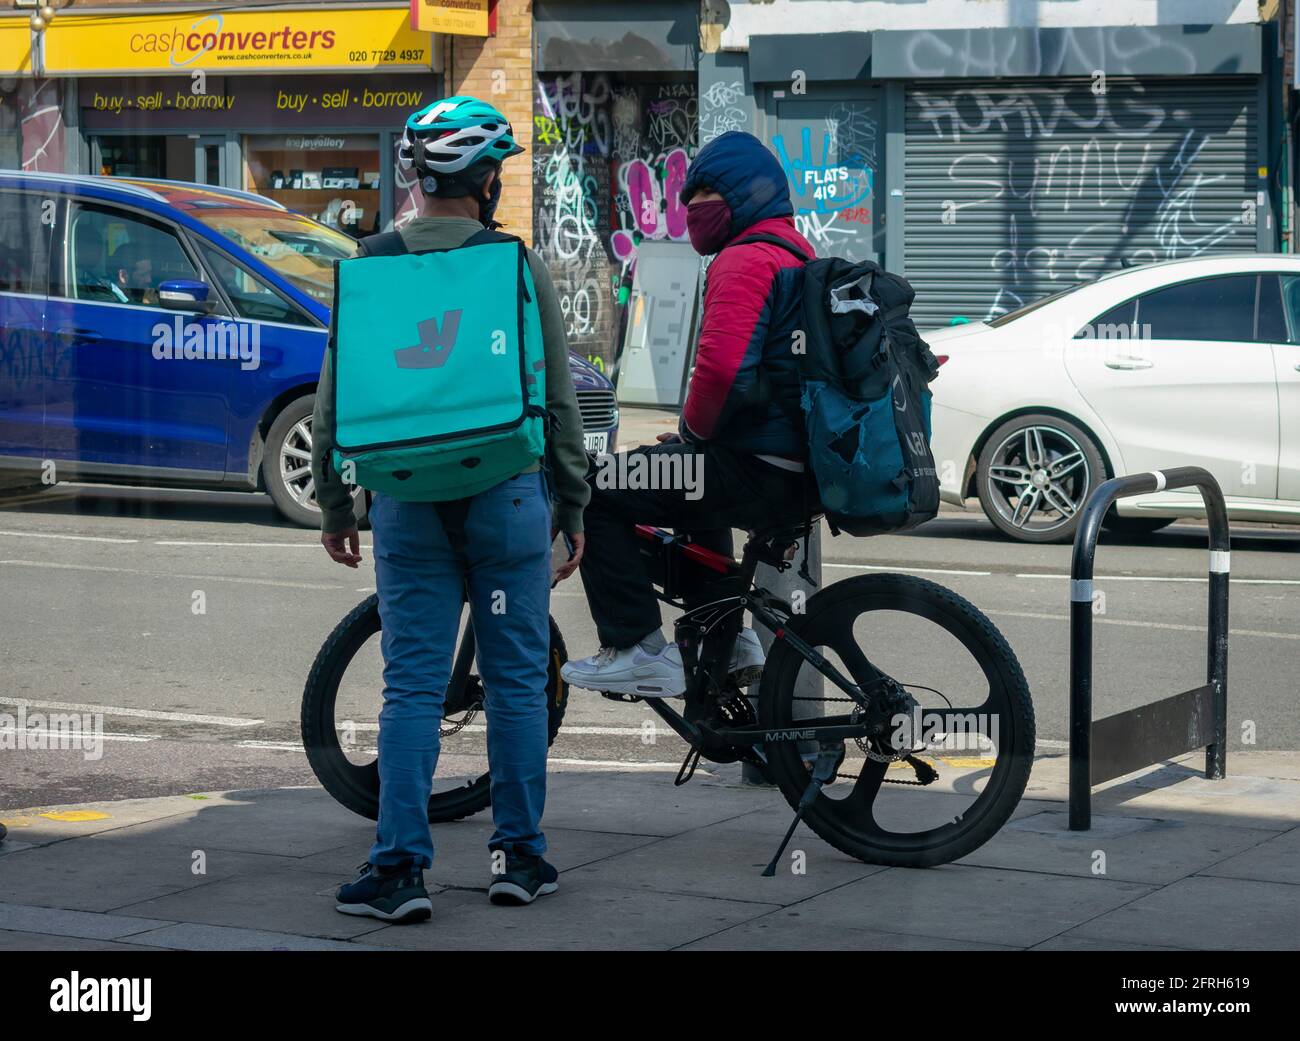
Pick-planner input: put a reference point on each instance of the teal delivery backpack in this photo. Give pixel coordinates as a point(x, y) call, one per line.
point(439, 368)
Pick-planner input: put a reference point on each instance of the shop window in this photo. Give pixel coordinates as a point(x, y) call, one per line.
point(331, 178)
point(119, 258)
point(249, 295)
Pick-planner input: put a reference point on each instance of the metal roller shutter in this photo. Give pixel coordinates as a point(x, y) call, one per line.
point(1016, 190)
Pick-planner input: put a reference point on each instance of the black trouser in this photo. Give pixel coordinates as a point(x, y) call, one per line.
point(736, 491)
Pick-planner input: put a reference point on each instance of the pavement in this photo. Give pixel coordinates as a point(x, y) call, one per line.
point(1173, 861)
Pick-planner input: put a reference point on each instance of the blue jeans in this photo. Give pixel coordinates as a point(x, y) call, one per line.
point(505, 565)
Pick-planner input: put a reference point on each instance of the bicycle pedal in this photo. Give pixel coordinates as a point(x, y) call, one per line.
point(614, 695)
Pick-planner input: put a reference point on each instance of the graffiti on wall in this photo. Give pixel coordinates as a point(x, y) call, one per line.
point(833, 180)
point(1142, 173)
point(609, 157)
point(721, 110)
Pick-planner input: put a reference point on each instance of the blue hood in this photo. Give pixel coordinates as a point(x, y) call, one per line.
point(740, 168)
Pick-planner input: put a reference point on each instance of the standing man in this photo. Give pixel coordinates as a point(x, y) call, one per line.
point(491, 545)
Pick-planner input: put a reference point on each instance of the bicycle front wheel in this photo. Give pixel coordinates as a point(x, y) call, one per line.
point(950, 775)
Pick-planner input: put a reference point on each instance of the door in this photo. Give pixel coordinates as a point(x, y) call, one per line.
point(210, 160)
point(26, 225)
point(832, 148)
point(1286, 364)
point(122, 392)
point(1191, 386)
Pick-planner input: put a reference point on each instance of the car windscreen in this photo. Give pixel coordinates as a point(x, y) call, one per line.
point(298, 249)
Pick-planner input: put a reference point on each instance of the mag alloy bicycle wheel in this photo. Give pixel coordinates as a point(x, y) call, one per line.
point(942, 783)
point(340, 719)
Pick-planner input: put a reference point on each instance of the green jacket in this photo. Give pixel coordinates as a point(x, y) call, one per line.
point(564, 448)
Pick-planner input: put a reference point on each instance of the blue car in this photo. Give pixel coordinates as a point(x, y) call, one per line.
point(103, 283)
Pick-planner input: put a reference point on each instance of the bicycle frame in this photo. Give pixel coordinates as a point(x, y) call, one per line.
point(713, 625)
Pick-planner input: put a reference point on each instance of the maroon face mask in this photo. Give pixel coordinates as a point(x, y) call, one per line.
point(709, 225)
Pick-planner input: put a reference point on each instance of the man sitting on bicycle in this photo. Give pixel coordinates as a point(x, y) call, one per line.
point(741, 430)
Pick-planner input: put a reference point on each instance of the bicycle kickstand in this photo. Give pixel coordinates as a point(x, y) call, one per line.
point(828, 760)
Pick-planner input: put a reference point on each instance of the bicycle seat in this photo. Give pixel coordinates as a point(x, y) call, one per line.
point(788, 533)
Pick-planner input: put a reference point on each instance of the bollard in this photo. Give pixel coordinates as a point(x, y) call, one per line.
point(1127, 741)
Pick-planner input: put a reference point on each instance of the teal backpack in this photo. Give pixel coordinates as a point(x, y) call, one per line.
point(439, 368)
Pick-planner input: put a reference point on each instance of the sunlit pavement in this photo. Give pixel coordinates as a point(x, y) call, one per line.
point(1172, 861)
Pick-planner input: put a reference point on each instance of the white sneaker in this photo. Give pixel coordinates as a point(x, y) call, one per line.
point(747, 658)
point(630, 671)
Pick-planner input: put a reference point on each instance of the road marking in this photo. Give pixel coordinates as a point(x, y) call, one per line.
point(602, 764)
point(916, 570)
point(1145, 625)
point(246, 545)
point(139, 713)
point(70, 538)
point(242, 545)
point(274, 746)
point(1172, 578)
point(85, 737)
point(615, 764)
point(75, 816)
point(480, 728)
point(171, 574)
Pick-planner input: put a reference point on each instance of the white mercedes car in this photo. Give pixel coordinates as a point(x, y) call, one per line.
point(1182, 363)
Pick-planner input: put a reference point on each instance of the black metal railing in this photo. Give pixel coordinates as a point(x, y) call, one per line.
point(1128, 741)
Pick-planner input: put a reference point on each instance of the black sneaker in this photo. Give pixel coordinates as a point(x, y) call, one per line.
point(393, 894)
point(525, 878)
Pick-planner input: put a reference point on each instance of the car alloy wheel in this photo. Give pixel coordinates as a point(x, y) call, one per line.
point(1038, 479)
point(295, 464)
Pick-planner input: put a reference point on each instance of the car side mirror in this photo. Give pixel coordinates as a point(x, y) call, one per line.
point(185, 294)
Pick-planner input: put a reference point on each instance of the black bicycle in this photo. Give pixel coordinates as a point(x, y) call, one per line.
point(876, 687)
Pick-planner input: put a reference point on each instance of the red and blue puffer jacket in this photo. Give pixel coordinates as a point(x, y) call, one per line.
point(744, 392)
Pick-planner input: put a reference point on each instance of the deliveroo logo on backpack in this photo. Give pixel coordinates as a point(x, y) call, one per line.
point(436, 342)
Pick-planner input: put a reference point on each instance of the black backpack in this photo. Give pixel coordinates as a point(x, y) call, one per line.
point(864, 371)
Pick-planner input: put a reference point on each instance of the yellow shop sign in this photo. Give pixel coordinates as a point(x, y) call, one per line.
point(465, 17)
point(236, 41)
point(15, 45)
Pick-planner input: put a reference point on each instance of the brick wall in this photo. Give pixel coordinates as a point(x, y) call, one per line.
point(499, 69)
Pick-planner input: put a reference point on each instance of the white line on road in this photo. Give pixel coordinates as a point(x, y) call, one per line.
point(171, 574)
point(1174, 578)
point(916, 570)
point(480, 728)
point(82, 738)
point(139, 713)
point(1145, 625)
point(246, 545)
point(614, 764)
point(70, 538)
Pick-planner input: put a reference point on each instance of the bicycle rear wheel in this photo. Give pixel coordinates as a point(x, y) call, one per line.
point(972, 721)
point(340, 711)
